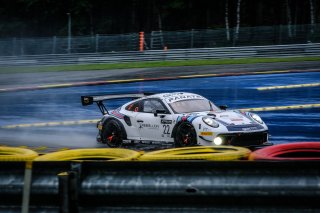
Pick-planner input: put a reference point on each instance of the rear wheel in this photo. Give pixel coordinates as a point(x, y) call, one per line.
point(186, 135)
point(112, 134)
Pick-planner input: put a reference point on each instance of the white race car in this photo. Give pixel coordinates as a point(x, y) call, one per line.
point(185, 119)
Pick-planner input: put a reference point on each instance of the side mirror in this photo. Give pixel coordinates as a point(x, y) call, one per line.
point(158, 111)
point(223, 107)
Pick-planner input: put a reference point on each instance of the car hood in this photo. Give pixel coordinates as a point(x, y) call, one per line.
point(225, 117)
point(231, 118)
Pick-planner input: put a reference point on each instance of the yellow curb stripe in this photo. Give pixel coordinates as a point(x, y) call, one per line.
point(303, 106)
point(128, 80)
point(289, 86)
point(272, 71)
point(54, 86)
point(195, 76)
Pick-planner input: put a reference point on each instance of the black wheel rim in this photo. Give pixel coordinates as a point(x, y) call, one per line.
point(186, 135)
point(113, 135)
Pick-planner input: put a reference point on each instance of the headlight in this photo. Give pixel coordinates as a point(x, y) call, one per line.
point(256, 118)
point(217, 141)
point(211, 122)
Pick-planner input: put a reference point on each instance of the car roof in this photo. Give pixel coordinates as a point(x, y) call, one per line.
point(176, 96)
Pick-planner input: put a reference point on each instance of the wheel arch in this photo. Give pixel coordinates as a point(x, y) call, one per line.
point(174, 130)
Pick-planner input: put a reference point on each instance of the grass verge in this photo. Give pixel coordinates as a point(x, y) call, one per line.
point(86, 67)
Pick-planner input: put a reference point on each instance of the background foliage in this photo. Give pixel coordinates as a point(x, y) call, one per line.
point(28, 18)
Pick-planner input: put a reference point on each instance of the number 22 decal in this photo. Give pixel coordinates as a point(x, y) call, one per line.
point(166, 129)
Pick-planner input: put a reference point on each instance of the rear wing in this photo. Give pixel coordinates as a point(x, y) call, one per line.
point(88, 100)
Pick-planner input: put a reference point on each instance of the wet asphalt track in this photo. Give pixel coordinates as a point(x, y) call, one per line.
point(63, 104)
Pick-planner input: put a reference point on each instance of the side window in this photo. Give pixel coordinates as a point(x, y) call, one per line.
point(147, 106)
point(151, 105)
point(134, 107)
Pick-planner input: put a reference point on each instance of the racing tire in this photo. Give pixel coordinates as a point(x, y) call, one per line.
point(185, 135)
point(112, 134)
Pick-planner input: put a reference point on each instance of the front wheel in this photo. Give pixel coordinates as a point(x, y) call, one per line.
point(112, 134)
point(186, 135)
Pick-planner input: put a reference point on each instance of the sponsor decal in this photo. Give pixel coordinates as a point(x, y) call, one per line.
point(182, 97)
point(236, 119)
point(249, 128)
point(206, 133)
point(166, 121)
point(150, 126)
point(189, 117)
point(172, 94)
point(205, 129)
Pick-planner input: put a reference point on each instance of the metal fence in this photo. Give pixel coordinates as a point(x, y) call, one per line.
point(311, 49)
point(208, 38)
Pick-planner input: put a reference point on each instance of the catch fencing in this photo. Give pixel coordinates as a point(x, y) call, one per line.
point(157, 40)
point(270, 41)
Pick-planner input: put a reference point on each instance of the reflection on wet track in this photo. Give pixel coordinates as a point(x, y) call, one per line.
point(63, 104)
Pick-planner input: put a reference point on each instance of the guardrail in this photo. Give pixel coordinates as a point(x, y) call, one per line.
point(311, 49)
point(196, 186)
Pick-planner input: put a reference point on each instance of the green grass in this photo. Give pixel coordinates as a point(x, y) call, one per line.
point(86, 67)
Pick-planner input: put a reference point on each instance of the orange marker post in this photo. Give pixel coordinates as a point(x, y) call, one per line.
point(141, 41)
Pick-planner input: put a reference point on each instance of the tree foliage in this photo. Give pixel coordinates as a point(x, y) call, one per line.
point(26, 18)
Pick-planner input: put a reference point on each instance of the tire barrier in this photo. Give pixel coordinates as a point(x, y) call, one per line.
point(16, 154)
point(114, 154)
point(217, 153)
point(290, 151)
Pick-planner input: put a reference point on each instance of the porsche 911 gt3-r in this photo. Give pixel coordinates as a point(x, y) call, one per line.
point(185, 119)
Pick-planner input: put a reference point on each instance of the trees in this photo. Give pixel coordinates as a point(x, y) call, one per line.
point(312, 16)
point(48, 17)
point(236, 33)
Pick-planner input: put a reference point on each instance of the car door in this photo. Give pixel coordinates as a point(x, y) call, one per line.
point(152, 125)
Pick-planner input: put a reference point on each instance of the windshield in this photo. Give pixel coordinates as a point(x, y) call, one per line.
point(194, 105)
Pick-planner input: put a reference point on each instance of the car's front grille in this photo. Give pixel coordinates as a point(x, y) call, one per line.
point(245, 139)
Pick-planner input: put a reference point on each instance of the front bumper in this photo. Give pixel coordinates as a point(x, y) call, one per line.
point(245, 139)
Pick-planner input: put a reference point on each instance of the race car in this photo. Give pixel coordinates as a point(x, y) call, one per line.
point(185, 119)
